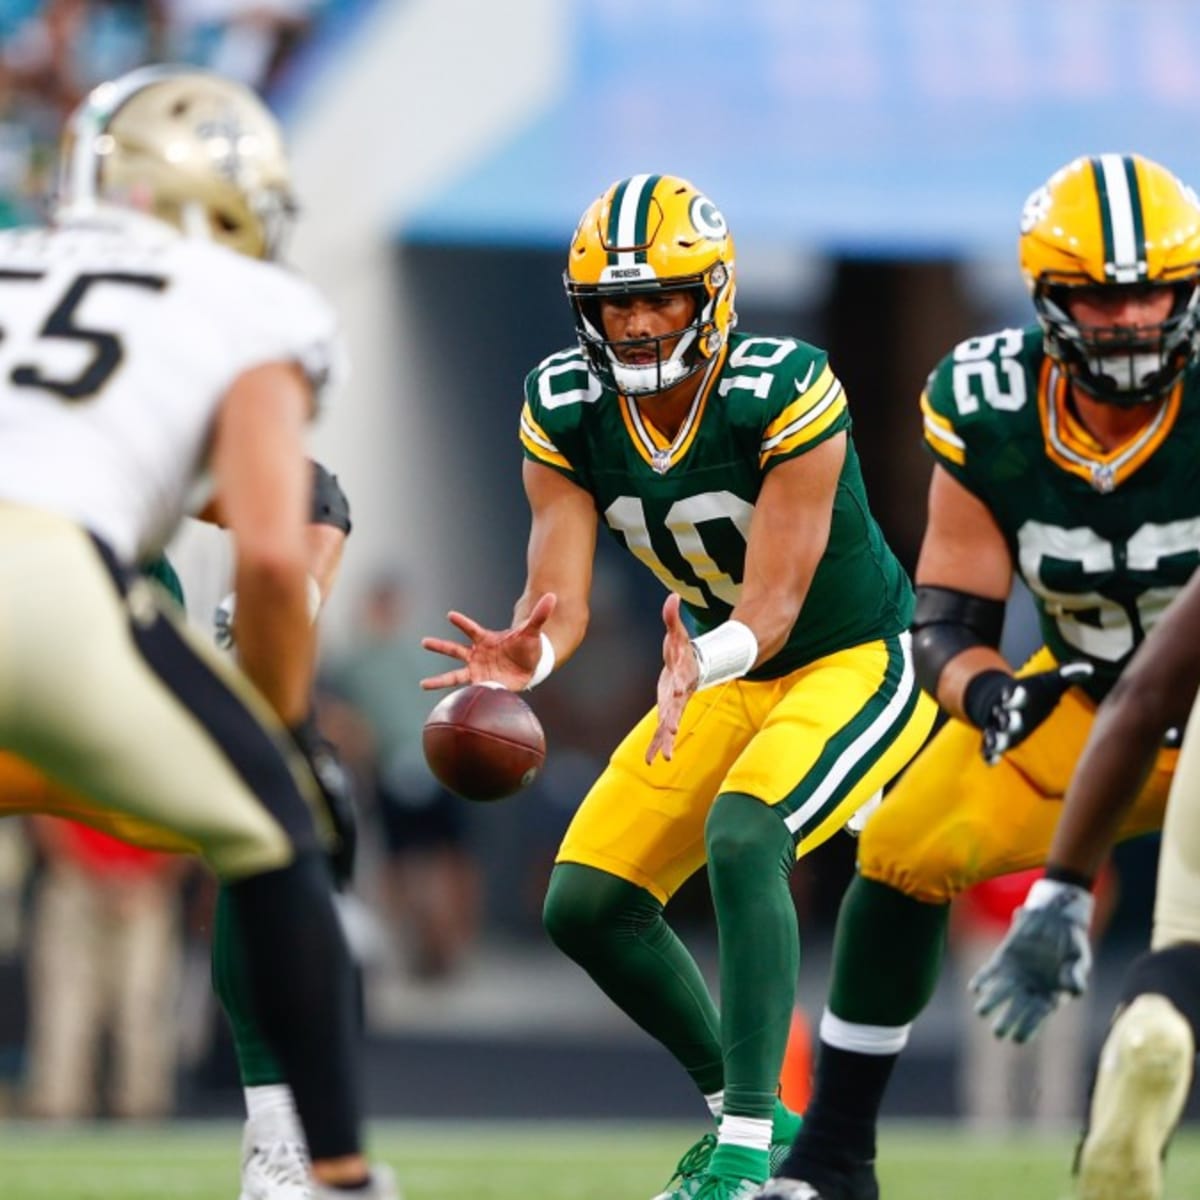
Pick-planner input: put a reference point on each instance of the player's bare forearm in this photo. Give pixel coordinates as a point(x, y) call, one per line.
point(963, 550)
point(960, 670)
point(562, 545)
point(263, 479)
point(325, 545)
point(275, 634)
point(789, 533)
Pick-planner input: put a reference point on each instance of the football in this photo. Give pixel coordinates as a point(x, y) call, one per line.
point(483, 742)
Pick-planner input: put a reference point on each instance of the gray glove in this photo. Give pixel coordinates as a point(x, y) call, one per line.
point(1044, 958)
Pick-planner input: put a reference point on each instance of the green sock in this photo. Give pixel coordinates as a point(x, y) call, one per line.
point(615, 930)
point(883, 934)
point(751, 853)
point(257, 1065)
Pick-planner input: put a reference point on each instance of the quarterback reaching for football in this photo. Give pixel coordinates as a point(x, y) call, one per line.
point(787, 697)
point(174, 195)
point(1063, 451)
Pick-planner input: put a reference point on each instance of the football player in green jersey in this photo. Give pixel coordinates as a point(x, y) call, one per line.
point(1066, 452)
point(787, 697)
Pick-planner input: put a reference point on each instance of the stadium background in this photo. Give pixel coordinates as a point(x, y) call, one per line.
point(871, 159)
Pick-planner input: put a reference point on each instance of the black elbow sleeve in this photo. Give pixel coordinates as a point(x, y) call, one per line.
point(329, 503)
point(947, 622)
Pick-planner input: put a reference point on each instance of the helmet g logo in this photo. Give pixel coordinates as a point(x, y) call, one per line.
point(1036, 207)
point(706, 218)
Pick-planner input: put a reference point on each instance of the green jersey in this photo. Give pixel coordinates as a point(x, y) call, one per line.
point(1104, 540)
point(683, 506)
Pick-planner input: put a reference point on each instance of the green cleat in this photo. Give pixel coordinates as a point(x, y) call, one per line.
point(692, 1168)
point(720, 1187)
point(689, 1172)
point(785, 1124)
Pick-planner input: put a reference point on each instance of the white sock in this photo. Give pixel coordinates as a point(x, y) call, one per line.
point(271, 1101)
point(751, 1132)
point(716, 1103)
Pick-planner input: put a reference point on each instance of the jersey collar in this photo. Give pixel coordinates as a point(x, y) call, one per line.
point(658, 451)
point(1071, 447)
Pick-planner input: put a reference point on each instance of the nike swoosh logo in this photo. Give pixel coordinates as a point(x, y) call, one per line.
point(802, 384)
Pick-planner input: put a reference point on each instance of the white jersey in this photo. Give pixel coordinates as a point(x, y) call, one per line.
point(118, 341)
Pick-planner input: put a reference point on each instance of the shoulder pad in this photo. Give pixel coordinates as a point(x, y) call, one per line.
point(271, 314)
point(786, 389)
point(978, 387)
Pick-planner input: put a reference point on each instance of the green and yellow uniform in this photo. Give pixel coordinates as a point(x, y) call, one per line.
point(821, 726)
point(1104, 542)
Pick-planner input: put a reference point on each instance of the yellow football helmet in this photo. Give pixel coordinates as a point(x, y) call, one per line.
point(1117, 221)
point(192, 148)
point(652, 233)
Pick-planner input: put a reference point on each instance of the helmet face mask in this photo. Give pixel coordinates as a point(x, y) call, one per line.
point(1125, 365)
point(1103, 228)
point(652, 234)
point(188, 147)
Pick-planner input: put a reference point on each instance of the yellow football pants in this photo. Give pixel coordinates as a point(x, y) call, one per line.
point(951, 820)
point(817, 743)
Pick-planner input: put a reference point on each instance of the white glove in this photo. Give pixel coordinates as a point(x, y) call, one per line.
point(223, 617)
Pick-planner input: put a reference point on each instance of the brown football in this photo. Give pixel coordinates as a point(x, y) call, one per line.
point(483, 742)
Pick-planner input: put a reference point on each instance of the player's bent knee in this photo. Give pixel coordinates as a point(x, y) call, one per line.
point(742, 829)
point(585, 906)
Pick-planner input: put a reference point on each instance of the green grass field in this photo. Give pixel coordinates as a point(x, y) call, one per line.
point(487, 1161)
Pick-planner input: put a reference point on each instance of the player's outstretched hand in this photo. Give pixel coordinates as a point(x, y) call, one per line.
point(1021, 705)
point(1044, 958)
point(505, 656)
point(676, 682)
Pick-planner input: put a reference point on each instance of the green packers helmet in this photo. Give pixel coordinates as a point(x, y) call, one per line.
point(189, 147)
point(652, 233)
point(1117, 221)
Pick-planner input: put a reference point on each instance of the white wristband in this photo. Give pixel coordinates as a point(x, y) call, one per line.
point(1079, 901)
point(545, 664)
point(724, 653)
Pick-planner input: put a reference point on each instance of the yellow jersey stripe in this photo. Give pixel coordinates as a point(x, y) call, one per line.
point(534, 439)
point(806, 400)
point(939, 433)
point(806, 428)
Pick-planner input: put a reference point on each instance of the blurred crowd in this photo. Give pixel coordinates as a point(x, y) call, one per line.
point(53, 51)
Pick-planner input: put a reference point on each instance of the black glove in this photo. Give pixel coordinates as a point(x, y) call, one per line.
point(1009, 709)
point(337, 792)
